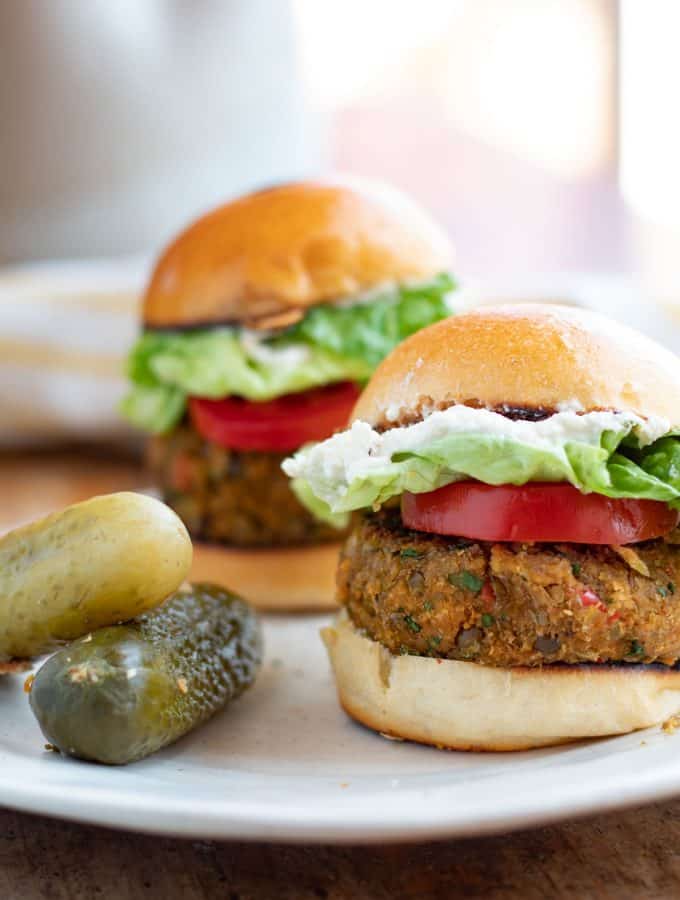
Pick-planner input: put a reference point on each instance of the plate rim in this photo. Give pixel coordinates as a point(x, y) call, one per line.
point(173, 816)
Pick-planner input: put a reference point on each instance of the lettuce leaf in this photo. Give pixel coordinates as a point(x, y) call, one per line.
point(368, 331)
point(166, 368)
point(612, 467)
point(332, 343)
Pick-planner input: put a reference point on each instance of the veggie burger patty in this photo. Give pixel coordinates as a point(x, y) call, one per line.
point(234, 497)
point(504, 604)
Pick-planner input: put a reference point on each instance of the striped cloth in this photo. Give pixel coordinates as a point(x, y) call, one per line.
point(65, 329)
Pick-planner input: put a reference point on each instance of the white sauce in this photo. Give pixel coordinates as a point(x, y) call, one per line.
point(363, 297)
point(288, 357)
point(355, 453)
point(379, 290)
point(254, 341)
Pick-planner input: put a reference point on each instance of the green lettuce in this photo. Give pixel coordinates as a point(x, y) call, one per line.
point(167, 367)
point(331, 343)
point(368, 331)
point(614, 466)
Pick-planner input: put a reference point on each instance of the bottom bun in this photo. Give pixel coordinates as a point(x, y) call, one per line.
point(285, 578)
point(467, 706)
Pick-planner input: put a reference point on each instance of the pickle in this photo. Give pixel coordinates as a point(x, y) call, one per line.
point(95, 563)
point(125, 691)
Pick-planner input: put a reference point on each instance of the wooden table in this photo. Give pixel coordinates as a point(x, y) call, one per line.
point(632, 854)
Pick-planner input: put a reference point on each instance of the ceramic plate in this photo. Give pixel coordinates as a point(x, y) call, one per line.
point(285, 764)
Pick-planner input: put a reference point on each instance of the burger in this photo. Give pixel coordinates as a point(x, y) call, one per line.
point(261, 322)
point(513, 580)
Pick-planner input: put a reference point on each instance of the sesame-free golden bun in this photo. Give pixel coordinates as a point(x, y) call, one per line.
point(280, 579)
point(534, 356)
point(264, 258)
point(466, 706)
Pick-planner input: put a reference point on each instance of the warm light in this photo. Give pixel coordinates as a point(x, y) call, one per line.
point(650, 119)
point(349, 47)
point(532, 77)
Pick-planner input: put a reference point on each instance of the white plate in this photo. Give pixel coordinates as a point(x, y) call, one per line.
point(285, 764)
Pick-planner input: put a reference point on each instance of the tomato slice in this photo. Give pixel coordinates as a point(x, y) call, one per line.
point(279, 425)
point(535, 512)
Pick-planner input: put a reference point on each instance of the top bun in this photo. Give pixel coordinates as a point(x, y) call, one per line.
point(266, 257)
point(531, 356)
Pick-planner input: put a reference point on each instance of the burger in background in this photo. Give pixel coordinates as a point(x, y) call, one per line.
point(261, 322)
point(514, 580)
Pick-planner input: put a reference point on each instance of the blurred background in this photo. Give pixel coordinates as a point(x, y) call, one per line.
point(543, 134)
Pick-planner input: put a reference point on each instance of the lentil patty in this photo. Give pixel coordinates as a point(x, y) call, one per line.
point(510, 604)
point(232, 497)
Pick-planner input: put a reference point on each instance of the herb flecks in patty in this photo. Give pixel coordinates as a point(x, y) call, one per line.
point(411, 624)
point(466, 580)
point(508, 604)
point(410, 553)
point(636, 648)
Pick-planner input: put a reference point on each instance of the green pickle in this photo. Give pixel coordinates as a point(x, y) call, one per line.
point(96, 563)
point(126, 691)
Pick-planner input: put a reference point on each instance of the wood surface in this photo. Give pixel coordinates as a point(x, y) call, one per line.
point(635, 854)
point(630, 854)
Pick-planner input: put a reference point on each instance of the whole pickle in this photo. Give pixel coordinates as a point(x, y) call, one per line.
point(125, 691)
point(95, 563)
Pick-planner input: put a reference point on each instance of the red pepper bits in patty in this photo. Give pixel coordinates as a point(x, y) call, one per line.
point(508, 604)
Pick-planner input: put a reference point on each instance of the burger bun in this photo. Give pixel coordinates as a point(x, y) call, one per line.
point(466, 706)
